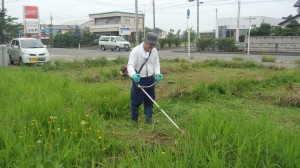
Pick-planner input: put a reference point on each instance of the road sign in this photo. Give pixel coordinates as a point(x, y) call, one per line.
point(188, 13)
point(124, 31)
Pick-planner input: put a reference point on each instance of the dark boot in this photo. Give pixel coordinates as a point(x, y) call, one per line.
point(134, 113)
point(148, 113)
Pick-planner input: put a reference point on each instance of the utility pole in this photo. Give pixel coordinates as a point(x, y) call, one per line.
point(2, 17)
point(217, 26)
point(153, 14)
point(238, 22)
point(51, 31)
point(136, 23)
point(197, 19)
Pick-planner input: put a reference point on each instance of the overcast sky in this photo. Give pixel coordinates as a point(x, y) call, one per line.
point(170, 14)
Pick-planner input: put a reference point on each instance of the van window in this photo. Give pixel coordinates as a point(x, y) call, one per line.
point(103, 38)
point(112, 39)
point(120, 39)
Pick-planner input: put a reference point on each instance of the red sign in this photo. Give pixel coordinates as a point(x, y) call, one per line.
point(31, 12)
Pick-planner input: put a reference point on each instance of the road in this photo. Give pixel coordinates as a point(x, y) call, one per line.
point(81, 54)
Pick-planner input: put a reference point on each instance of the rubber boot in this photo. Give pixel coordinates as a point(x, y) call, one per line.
point(134, 114)
point(148, 113)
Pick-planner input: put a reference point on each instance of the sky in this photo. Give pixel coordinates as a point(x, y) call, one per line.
point(169, 14)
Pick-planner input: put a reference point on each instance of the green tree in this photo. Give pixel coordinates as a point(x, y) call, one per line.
point(8, 29)
point(291, 29)
point(277, 31)
point(87, 38)
point(192, 34)
point(264, 29)
point(77, 34)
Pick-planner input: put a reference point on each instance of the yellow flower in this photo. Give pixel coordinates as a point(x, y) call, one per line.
point(103, 149)
point(163, 153)
point(100, 137)
point(83, 122)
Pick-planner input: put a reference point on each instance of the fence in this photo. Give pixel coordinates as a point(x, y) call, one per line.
point(273, 44)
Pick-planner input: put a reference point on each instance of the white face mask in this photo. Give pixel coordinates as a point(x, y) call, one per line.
point(145, 54)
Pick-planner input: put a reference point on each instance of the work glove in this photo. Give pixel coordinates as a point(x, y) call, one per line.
point(136, 78)
point(159, 77)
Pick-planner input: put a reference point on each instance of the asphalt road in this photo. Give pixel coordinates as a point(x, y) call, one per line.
point(282, 60)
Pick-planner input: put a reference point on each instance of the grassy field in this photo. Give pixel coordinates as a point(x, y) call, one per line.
point(233, 114)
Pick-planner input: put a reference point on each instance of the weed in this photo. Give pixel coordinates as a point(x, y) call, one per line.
point(268, 58)
point(237, 58)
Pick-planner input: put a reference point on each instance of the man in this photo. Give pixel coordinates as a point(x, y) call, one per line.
point(143, 64)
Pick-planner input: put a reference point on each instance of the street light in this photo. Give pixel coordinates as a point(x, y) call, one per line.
point(198, 34)
point(249, 34)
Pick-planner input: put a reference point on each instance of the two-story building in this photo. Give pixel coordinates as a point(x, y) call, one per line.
point(109, 23)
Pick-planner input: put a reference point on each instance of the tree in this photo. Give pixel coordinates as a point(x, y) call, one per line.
point(87, 38)
point(77, 34)
point(264, 29)
point(291, 29)
point(9, 29)
point(192, 34)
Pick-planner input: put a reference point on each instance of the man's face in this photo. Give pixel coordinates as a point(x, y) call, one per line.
point(148, 46)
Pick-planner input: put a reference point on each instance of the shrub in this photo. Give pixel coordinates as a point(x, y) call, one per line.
point(267, 58)
point(236, 58)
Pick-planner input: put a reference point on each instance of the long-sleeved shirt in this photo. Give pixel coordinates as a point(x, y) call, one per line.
point(136, 59)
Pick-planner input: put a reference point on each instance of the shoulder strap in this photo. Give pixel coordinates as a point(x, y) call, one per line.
point(144, 63)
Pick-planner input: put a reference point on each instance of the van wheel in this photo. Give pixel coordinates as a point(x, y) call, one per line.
point(102, 48)
point(21, 63)
point(11, 61)
point(117, 48)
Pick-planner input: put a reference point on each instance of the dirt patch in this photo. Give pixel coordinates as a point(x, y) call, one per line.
point(159, 138)
point(291, 100)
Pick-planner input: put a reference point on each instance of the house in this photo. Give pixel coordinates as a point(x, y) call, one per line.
point(296, 17)
point(160, 33)
point(227, 26)
point(82, 24)
point(287, 21)
point(46, 30)
point(109, 23)
point(297, 5)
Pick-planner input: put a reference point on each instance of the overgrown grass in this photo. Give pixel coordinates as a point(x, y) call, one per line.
point(76, 114)
point(268, 58)
point(237, 58)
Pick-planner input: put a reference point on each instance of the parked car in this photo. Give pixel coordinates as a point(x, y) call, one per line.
point(27, 50)
point(113, 43)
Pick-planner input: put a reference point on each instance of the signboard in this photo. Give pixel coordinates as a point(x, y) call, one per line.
point(32, 26)
point(31, 12)
point(124, 31)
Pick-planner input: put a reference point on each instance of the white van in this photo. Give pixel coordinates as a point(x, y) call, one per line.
point(27, 50)
point(114, 43)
